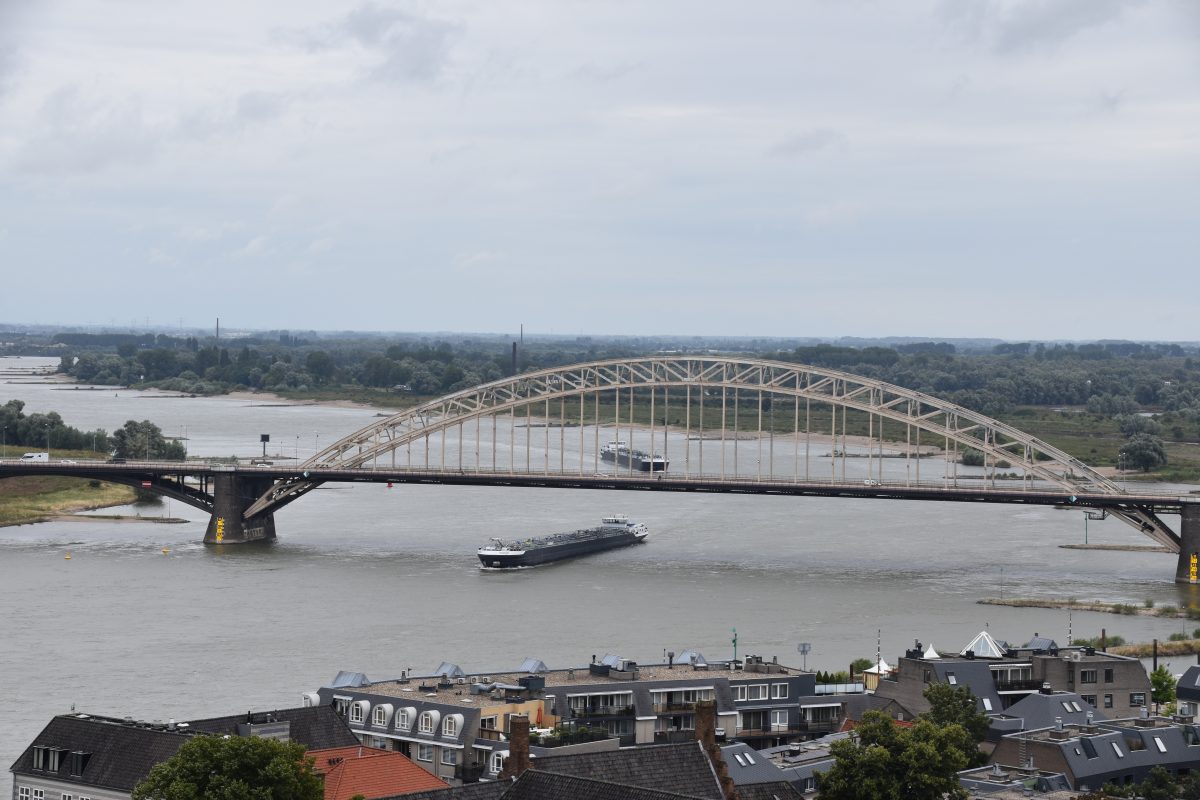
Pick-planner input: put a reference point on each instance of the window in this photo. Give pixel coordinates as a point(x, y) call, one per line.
point(1162, 748)
point(77, 761)
point(756, 691)
point(341, 705)
point(739, 692)
point(39, 759)
point(1137, 699)
point(1087, 676)
point(426, 723)
point(987, 704)
point(1108, 675)
point(23, 793)
point(488, 723)
point(379, 715)
point(1066, 706)
point(1117, 749)
point(450, 727)
point(356, 712)
point(424, 752)
point(496, 762)
point(39, 794)
point(741, 761)
point(1108, 703)
point(1087, 698)
point(779, 720)
point(66, 796)
point(779, 691)
point(449, 757)
point(403, 723)
point(953, 681)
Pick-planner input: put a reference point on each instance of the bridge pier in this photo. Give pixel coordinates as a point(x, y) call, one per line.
point(1188, 569)
point(232, 494)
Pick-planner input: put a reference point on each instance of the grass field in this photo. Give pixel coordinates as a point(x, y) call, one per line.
point(36, 498)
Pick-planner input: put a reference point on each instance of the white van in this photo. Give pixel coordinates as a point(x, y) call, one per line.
point(36, 457)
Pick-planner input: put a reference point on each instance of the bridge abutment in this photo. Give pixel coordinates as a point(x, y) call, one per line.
point(232, 494)
point(1188, 568)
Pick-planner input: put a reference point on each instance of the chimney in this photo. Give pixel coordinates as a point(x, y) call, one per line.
point(518, 747)
point(706, 735)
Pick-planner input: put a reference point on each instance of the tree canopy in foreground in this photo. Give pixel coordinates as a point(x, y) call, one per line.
point(234, 768)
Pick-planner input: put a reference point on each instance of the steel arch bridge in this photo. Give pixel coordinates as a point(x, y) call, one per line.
point(555, 422)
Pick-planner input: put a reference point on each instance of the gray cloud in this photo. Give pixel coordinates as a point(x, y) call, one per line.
point(1030, 24)
point(79, 134)
point(808, 142)
point(410, 47)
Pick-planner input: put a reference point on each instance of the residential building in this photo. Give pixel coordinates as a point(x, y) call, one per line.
point(348, 772)
point(1120, 751)
point(455, 724)
point(88, 757)
point(1000, 676)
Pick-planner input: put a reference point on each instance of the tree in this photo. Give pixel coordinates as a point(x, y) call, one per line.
point(955, 705)
point(882, 760)
point(234, 768)
point(1162, 686)
point(138, 440)
point(320, 365)
point(1143, 451)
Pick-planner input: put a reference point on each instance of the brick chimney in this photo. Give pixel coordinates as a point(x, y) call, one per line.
point(706, 734)
point(518, 747)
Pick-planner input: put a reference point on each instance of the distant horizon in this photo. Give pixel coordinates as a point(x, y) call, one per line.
point(246, 332)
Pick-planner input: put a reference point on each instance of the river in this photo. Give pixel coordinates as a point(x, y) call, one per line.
point(380, 580)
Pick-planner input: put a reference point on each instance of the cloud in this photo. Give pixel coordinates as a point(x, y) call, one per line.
point(260, 106)
point(408, 47)
point(80, 133)
point(808, 142)
point(255, 247)
point(1030, 24)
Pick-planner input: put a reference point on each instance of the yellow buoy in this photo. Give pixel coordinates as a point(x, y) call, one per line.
point(165, 551)
point(67, 556)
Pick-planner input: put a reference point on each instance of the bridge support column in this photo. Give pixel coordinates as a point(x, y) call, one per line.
point(232, 494)
point(1188, 569)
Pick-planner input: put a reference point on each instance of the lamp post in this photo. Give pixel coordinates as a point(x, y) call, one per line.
point(4, 443)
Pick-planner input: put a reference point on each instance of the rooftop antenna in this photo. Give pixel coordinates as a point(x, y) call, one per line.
point(878, 646)
point(734, 640)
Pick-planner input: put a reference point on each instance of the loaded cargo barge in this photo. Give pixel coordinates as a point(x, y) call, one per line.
point(613, 532)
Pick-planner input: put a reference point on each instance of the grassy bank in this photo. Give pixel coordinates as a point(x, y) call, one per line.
point(1145, 609)
point(38, 498)
point(1185, 647)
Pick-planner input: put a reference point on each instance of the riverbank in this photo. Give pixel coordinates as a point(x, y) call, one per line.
point(26, 500)
point(1147, 609)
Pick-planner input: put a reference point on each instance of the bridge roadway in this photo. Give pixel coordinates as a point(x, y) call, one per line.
point(191, 482)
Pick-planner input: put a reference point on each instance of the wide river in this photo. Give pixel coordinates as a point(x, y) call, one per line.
point(380, 580)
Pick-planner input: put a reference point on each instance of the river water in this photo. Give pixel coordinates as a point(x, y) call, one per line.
point(380, 580)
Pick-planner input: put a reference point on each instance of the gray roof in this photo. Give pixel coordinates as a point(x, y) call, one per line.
point(681, 768)
point(1041, 710)
point(533, 665)
point(538, 785)
point(1188, 687)
point(315, 727)
point(448, 670)
point(975, 675)
point(747, 765)
point(346, 679)
point(1041, 643)
point(491, 790)
point(780, 790)
point(121, 754)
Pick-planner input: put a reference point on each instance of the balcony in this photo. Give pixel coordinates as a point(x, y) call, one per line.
point(491, 734)
point(1026, 685)
point(667, 708)
point(674, 737)
point(602, 711)
point(803, 726)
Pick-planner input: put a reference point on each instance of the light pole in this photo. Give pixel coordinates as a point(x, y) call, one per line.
point(4, 443)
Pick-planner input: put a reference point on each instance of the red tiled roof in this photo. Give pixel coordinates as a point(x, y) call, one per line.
point(370, 772)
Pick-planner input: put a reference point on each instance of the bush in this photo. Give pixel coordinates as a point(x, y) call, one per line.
point(1177, 637)
point(1148, 603)
point(1167, 611)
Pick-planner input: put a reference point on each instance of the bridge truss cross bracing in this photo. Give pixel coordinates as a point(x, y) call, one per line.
point(713, 418)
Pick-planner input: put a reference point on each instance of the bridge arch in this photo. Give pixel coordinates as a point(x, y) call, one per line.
point(680, 385)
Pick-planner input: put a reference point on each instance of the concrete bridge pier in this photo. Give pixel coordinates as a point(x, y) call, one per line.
point(232, 494)
point(1188, 569)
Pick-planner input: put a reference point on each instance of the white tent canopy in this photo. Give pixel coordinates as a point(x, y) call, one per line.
point(983, 646)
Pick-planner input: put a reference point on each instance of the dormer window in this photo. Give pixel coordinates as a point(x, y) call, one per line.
point(379, 716)
point(426, 724)
point(76, 762)
point(358, 711)
point(403, 721)
point(450, 727)
point(39, 757)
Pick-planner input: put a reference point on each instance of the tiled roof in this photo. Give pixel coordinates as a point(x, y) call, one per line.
point(780, 790)
point(492, 790)
point(538, 785)
point(373, 773)
point(315, 727)
point(121, 754)
point(681, 768)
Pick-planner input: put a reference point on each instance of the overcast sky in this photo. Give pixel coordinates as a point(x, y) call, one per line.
point(1009, 168)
